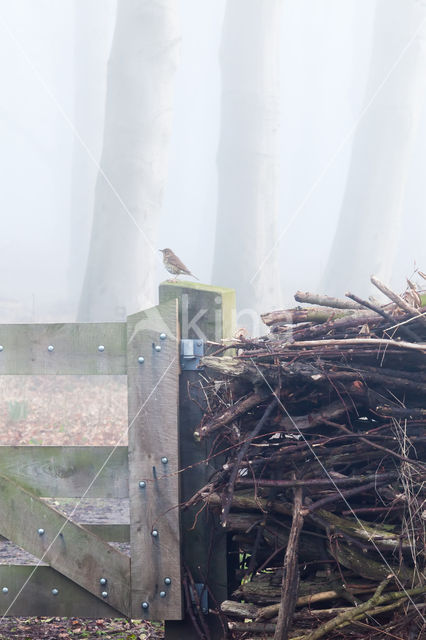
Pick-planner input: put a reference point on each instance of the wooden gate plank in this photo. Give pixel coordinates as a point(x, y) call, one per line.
point(25, 348)
point(153, 436)
point(67, 472)
point(68, 547)
point(37, 599)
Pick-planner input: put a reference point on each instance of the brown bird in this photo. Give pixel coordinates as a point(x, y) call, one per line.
point(174, 265)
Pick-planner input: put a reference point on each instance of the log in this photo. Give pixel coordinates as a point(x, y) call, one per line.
point(231, 413)
point(327, 301)
point(406, 331)
point(408, 413)
point(371, 604)
point(317, 315)
point(364, 565)
point(290, 579)
point(308, 482)
point(228, 366)
point(355, 342)
point(402, 304)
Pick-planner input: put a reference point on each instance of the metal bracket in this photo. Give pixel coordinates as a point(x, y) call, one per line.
point(191, 351)
point(201, 598)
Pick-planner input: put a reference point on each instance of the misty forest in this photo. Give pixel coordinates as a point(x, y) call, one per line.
point(274, 146)
point(212, 319)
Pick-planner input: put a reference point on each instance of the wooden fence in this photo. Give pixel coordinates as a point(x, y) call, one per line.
point(65, 567)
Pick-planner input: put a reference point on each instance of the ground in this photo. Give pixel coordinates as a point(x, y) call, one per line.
point(77, 629)
point(67, 410)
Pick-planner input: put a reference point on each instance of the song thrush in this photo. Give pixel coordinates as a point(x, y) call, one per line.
point(174, 265)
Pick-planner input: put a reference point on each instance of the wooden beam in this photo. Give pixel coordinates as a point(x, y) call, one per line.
point(110, 532)
point(154, 460)
point(67, 472)
point(29, 593)
point(25, 348)
point(68, 547)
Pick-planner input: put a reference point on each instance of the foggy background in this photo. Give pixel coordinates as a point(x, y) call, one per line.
point(332, 56)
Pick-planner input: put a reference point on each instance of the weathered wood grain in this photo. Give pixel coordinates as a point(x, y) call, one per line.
point(67, 547)
point(75, 348)
point(36, 597)
point(110, 532)
point(153, 435)
point(67, 472)
point(204, 541)
point(205, 311)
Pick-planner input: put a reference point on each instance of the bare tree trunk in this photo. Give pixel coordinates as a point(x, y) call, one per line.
point(248, 154)
point(93, 25)
point(120, 274)
point(373, 206)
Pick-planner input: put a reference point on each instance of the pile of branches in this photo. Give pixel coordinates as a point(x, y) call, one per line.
point(321, 425)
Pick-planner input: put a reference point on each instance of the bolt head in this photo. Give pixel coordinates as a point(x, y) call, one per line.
point(167, 581)
point(141, 359)
point(157, 347)
point(145, 605)
point(162, 594)
point(164, 460)
point(154, 533)
point(1, 347)
point(163, 336)
point(101, 347)
point(50, 347)
point(142, 484)
point(55, 592)
point(199, 343)
point(105, 594)
point(40, 532)
point(103, 581)
point(5, 590)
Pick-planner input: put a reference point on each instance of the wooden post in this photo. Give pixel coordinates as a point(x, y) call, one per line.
point(152, 378)
point(204, 312)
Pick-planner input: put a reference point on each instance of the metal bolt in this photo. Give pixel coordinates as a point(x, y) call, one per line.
point(141, 359)
point(167, 581)
point(162, 594)
point(103, 581)
point(199, 343)
point(142, 484)
point(105, 594)
point(55, 592)
point(1, 347)
point(157, 347)
point(164, 460)
point(154, 533)
point(50, 347)
point(101, 347)
point(163, 336)
point(40, 532)
point(145, 605)
point(5, 590)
